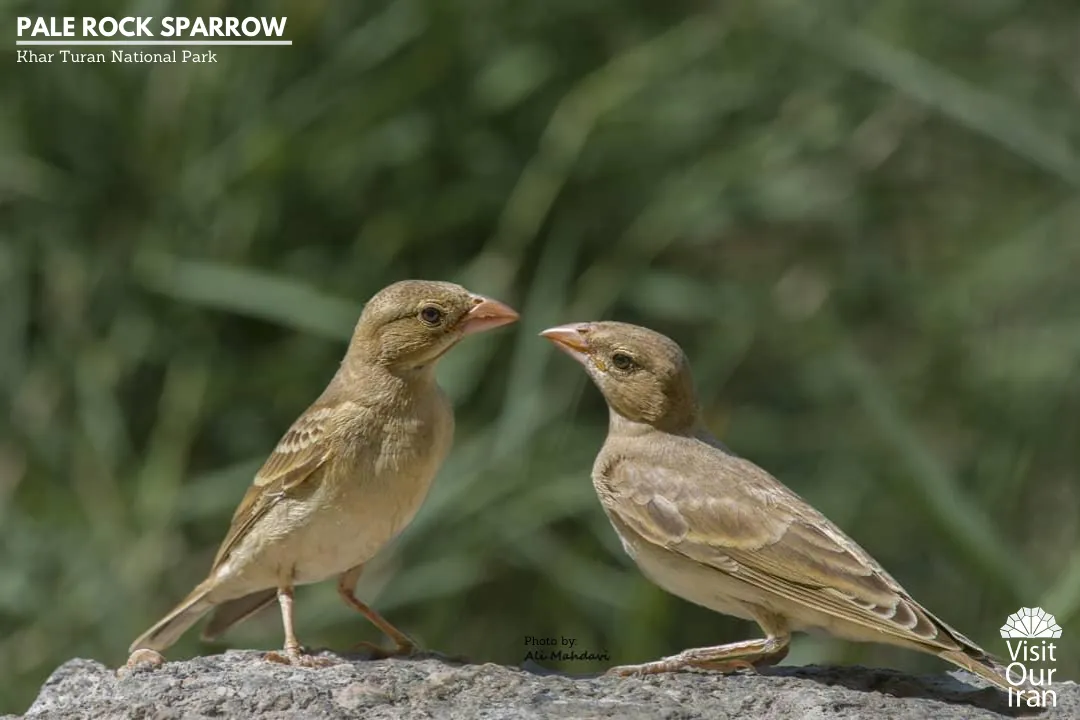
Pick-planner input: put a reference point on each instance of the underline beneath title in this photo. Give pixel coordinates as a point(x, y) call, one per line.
point(150, 43)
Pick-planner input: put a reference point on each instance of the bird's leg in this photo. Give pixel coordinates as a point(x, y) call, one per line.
point(294, 653)
point(346, 588)
point(744, 655)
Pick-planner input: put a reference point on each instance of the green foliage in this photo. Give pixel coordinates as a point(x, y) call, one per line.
point(859, 219)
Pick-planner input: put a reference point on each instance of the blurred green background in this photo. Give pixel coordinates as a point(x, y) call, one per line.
point(861, 220)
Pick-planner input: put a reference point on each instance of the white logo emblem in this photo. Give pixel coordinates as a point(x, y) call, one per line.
point(1027, 632)
point(1031, 623)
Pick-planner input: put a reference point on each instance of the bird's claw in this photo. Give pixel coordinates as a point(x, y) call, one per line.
point(624, 671)
point(298, 658)
point(650, 668)
point(728, 666)
point(141, 657)
point(377, 652)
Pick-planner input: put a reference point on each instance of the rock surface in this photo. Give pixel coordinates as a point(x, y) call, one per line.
point(241, 684)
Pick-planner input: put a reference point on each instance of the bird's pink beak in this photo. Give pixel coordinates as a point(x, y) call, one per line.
point(570, 339)
point(485, 315)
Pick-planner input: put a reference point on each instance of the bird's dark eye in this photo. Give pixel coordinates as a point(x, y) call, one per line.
point(622, 361)
point(431, 315)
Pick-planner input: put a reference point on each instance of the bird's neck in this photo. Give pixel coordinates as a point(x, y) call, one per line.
point(625, 427)
point(360, 373)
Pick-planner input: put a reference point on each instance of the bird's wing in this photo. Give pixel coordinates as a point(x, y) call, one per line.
point(295, 461)
point(727, 513)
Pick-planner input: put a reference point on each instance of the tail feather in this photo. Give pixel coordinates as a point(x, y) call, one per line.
point(975, 661)
point(232, 612)
point(169, 629)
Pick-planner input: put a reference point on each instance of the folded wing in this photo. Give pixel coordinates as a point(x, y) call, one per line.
point(726, 513)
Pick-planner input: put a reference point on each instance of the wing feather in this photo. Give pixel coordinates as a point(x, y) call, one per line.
point(296, 459)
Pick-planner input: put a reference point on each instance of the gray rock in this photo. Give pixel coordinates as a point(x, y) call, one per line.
point(241, 684)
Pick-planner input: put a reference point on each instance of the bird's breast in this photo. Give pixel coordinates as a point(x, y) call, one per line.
point(373, 491)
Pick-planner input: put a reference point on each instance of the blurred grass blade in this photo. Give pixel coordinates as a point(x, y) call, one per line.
point(976, 109)
point(578, 113)
point(249, 292)
point(955, 516)
point(1063, 598)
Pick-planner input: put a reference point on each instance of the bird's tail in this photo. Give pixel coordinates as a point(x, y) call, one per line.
point(974, 660)
point(232, 612)
point(169, 629)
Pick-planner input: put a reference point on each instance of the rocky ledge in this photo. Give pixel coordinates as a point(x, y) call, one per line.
point(241, 684)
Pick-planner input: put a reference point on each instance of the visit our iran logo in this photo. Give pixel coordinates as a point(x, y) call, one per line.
point(1028, 633)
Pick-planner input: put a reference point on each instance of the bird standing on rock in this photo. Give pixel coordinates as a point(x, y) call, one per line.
point(350, 473)
point(717, 530)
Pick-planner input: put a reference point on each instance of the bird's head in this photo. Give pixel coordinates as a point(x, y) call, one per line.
point(412, 323)
point(643, 375)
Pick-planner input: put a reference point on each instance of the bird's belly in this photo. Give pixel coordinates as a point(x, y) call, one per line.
point(362, 499)
point(353, 524)
point(692, 581)
point(341, 525)
point(724, 593)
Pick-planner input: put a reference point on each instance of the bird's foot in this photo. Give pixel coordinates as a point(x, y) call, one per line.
point(727, 667)
point(676, 663)
point(296, 657)
point(377, 652)
point(142, 657)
